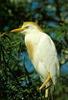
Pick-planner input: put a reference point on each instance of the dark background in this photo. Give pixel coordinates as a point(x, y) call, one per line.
point(17, 80)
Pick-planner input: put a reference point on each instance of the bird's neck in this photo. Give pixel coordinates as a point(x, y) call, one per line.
point(31, 41)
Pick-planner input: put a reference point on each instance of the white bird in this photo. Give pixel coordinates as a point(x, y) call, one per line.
point(42, 53)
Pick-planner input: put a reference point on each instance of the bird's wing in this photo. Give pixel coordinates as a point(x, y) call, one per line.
point(45, 49)
point(46, 54)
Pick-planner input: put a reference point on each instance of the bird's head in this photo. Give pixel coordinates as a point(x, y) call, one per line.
point(27, 27)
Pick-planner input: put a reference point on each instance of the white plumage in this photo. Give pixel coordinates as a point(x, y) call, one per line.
point(42, 52)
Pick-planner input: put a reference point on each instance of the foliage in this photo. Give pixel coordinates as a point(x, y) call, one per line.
point(15, 81)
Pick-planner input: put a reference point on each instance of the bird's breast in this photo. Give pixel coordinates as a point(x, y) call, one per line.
point(31, 42)
point(30, 49)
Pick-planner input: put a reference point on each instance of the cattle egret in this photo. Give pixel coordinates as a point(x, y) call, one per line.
point(42, 53)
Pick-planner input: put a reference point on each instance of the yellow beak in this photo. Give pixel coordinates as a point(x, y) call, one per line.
point(17, 30)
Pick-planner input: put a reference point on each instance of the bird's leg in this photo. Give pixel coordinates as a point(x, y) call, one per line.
point(45, 82)
point(46, 93)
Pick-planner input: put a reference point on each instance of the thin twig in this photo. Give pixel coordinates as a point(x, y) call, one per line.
point(2, 34)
